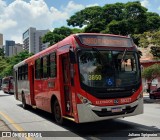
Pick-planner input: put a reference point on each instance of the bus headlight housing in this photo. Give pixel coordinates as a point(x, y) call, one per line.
point(83, 99)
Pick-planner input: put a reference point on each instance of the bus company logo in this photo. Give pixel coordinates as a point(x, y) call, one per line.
point(116, 101)
point(6, 134)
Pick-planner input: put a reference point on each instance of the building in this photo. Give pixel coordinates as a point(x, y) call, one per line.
point(1, 40)
point(11, 48)
point(18, 48)
point(14, 50)
point(9, 44)
point(32, 40)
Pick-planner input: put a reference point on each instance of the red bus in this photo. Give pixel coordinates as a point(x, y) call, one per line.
point(86, 77)
point(7, 84)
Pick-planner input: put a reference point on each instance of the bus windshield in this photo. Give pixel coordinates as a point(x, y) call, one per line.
point(105, 68)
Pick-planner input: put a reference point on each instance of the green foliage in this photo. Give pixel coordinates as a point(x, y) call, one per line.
point(149, 38)
point(151, 72)
point(89, 15)
point(156, 38)
point(76, 30)
point(48, 38)
point(144, 39)
point(155, 51)
point(2, 52)
point(118, 18)
point(7, 63)
point(153, 21)
point(59, 34)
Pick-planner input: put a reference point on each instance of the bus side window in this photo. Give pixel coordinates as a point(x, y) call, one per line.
point(20, 73)
point(44, 67)
point(53, 64)
point(38, 69)
point(48, 66)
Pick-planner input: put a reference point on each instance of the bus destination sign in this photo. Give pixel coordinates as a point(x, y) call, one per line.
point(102, 40)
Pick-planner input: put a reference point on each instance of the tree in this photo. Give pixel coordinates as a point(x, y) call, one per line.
point(118, 18)
point(136, 14)
point(6, 65)
point(48, 38)
point(113, 12)
point(76, 30)
point(2, 52)
point(153, 21)
point(59, 34)
point(87, 16)
point(147, 39)
point(151, 73)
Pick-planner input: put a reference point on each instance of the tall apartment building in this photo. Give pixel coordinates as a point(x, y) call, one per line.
point(1, 40)
point(32, 40)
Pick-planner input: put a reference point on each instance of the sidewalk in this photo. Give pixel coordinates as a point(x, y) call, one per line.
point(3, 128)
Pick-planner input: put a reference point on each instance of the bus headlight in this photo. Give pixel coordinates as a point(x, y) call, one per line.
point(83, 99)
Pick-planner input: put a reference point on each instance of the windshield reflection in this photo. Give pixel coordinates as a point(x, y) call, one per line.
point(108, 68)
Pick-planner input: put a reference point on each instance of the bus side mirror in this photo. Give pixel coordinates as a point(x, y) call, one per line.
point(72, 57)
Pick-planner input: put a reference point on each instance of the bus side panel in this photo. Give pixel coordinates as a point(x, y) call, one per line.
point(23, 88)
point(38, 94)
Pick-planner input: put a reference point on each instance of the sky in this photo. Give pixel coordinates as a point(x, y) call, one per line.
point(16, 16)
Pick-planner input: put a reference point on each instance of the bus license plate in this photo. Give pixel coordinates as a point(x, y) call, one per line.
point(117, 109)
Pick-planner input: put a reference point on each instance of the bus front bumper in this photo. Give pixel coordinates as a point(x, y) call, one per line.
point(91, 113)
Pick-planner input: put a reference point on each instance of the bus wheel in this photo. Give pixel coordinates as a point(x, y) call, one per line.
point(57, 113)
point(24, 105)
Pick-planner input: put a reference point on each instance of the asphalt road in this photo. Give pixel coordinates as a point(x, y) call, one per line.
point(18, 119)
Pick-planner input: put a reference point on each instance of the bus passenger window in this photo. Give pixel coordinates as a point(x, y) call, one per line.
point(20, 73)
point(53, 64)
point(45, 67)
point(38, 68)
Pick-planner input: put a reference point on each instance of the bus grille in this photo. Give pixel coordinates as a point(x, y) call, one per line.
point(105, 113)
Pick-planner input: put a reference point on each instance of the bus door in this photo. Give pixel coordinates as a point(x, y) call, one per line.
point(67, 84)
point(31, 83)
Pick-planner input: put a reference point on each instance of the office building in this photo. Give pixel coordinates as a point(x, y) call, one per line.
point(14, 50)
point(9, 44)
point(32, 40)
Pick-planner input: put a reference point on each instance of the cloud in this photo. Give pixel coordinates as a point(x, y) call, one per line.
point(18, 16)
point(73, 7)
point(145, 3)
point(90, 5)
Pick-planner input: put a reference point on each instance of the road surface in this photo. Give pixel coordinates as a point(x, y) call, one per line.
point(19, 120)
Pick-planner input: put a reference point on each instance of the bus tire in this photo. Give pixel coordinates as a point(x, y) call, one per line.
point(24, 105)
point(57, 113)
